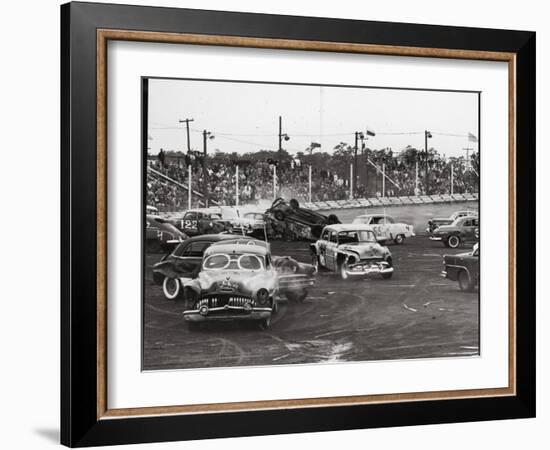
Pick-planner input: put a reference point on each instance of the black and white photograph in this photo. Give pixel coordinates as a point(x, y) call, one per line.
point(306, 224)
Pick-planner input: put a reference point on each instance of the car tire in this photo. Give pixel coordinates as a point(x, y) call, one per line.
point(265, 324)
point(453, 241)
point(399, 239)
point(464, 281)
point(171, 287)
point(297, 297)
point(387, 276)
point(342, 269)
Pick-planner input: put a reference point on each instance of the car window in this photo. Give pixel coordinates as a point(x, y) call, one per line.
point(377, 220)
point(190, 216)
point(196, 248)
point(475, 222)
point(389, 219)
point(324, 236)
point(250, 262)
point(215, 216)
point(346, 237)
point(332, 237)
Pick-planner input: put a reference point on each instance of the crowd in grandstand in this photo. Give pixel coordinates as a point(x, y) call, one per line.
point(214, 175)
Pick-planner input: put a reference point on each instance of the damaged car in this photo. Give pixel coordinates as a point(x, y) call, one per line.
point(351, 250)
point(293, 222)
point(236, 282)
point(464, 268)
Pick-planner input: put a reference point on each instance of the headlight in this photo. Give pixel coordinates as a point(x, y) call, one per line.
point(262, 296)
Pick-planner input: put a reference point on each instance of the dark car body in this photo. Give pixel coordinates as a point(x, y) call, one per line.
point(300, 223)
point(438, 221)
point(186, 258)
point(463, 229)
point(464, 268)
point(202, 221)
point(161, 233)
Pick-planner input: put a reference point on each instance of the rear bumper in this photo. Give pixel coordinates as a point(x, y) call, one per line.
point(226, 313)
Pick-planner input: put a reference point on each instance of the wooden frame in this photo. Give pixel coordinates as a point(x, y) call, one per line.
point(86, 29)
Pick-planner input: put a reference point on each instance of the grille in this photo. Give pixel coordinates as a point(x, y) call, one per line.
point(221, 300)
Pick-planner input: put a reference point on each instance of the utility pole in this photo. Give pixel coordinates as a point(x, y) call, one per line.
point(281, 137)
point(205, 136)
point(188, 138)
point(427, 135)
point(467, 150)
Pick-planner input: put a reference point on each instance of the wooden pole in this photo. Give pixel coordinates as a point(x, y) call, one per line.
point(237, 185)
point(351, 181)
point(383, 179)
point(189, 188)
point(310, 184)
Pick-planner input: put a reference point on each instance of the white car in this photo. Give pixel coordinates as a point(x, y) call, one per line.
point(386, 228)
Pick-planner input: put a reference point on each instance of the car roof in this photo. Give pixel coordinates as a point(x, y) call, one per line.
point(463, 218)
point(212, 237)
point(348, 227)
point(237, 248)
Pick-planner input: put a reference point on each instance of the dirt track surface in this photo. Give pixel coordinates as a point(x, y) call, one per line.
point(415, 314)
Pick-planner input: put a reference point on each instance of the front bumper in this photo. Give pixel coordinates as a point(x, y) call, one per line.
point(367, 268)
point(226, 313)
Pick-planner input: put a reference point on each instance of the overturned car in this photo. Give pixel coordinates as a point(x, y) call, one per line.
point(351, 250)
point(290, 221)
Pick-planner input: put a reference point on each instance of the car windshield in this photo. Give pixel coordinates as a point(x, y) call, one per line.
point(243, 261)
point(345, 237)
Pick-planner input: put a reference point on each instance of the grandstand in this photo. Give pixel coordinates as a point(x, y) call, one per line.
point(319, 181)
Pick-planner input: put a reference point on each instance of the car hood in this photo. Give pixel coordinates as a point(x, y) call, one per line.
point(236, 281)
point(365, 249)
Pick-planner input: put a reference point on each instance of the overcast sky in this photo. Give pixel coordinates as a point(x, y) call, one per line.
point(244, 117)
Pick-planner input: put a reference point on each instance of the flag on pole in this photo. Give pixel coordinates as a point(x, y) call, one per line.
point(370, 132)
point(472, 137)
point(315, 145)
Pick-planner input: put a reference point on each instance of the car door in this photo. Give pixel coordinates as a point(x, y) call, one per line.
point(332, 250)
point(152, 231)
point(389, 228)
point(468, 229)
point(322, 248)
point(189, 257)
point(378, 226)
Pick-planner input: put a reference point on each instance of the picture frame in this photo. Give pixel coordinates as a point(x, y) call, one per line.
point(86, 418)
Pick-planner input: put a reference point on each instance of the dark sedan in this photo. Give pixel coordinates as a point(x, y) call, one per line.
point(184, 261)
point(160, 234)
point(463, 268)
point(464, 229)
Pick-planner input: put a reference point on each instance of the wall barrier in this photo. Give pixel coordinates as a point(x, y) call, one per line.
point(391, 201)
